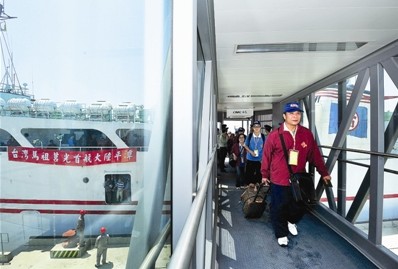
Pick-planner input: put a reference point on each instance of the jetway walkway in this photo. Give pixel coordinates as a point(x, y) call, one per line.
point(250, 243)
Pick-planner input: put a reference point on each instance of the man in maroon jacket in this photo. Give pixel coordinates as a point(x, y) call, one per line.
point(301, 148)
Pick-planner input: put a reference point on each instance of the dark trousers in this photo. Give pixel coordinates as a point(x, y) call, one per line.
point(284, 209)
point(221, 155)
point(240, 176)
point(253, 174)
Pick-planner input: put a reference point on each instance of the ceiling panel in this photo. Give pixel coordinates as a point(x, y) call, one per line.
point(268, 22)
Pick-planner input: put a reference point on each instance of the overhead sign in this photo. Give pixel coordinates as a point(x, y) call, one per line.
point(239, 113)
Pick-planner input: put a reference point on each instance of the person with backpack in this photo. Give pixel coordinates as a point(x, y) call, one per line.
point(254, 146)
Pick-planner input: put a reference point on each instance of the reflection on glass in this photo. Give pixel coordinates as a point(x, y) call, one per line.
point(390, 227)
point(358, 138)
point(76, 120)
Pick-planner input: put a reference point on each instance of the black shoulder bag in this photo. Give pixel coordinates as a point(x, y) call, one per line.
point(301, 184)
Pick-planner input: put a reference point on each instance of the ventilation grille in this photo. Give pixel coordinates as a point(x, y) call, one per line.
point(299, 47)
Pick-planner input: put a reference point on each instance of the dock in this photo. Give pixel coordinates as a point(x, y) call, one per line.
point(42, 255)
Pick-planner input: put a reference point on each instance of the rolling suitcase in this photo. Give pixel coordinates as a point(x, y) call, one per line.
point(254, 200)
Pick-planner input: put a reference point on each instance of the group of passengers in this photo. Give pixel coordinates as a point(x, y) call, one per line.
point(117, 190)
point(87, 140)
point(271, 159)
point(236, 147)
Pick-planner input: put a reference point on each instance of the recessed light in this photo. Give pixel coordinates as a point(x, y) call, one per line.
point(299, 47)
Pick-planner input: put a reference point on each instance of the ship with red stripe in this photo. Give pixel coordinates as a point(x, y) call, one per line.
point(54, 165)
point(58, 158)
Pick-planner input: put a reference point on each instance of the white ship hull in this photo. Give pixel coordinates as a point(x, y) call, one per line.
point(44, 199)
point(55, 159)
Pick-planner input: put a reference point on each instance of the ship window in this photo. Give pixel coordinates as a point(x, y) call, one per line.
point(6, 139)
point(117, 188)
point(78, 139)
point(138, 138)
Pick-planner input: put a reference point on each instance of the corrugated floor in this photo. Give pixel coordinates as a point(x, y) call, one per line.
point(250, 243)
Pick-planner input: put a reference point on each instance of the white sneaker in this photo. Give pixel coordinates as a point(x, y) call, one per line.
point(292, 228)
point(282, 241)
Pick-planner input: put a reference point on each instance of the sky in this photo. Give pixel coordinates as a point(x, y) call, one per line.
point(83, 50)
point(86, 50)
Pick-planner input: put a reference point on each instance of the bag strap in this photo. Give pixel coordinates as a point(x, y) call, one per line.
point(259, 186)
point(250, 136)
point(258, 192)
point(285, 152)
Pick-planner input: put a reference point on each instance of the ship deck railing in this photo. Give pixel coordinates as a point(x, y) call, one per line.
point(83, 116)
point(78, 148)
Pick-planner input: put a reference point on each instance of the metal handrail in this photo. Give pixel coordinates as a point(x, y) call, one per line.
point(380, 154)
point(5, 241)
point(182, 254)
point(153, 254)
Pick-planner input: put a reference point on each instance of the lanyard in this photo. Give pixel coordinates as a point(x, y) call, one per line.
point(241, 149)
point(256, 139)
point(293, 133)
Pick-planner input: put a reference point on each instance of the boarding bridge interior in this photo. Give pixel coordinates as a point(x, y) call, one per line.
point(204, 239)
point(356, 211)
point(188, 212)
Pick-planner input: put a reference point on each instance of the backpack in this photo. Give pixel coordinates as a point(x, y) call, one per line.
point(250, 138)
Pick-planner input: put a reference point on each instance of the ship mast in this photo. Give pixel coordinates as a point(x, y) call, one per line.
point(9, 81)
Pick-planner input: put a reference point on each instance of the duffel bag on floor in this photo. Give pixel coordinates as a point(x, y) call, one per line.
point(254, 200)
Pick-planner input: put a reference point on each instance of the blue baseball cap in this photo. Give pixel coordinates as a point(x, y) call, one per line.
point(292, 107)
point(256, 122)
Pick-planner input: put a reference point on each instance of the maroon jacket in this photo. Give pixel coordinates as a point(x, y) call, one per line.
point(236, 151)
point(273, 165)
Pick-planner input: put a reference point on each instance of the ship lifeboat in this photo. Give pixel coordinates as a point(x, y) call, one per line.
point(71, 108)
point(44, 107)
point(125, 112)
point(19, 105)
point(2, 104)
point(99, 110)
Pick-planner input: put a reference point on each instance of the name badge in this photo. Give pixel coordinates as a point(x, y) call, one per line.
point(293, 157)
point(256, 153)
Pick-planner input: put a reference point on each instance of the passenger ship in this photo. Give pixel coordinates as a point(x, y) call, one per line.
point(56, 157)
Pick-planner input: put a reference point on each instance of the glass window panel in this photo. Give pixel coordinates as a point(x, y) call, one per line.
point(304, 117)
point(358, 136)
point(79, 139)
point(390, 209)
point(6, 139)
point(390, 103)
point(87, 83)
point(325, 116)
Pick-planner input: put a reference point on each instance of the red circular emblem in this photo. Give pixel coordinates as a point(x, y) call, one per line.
point(354, 122)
